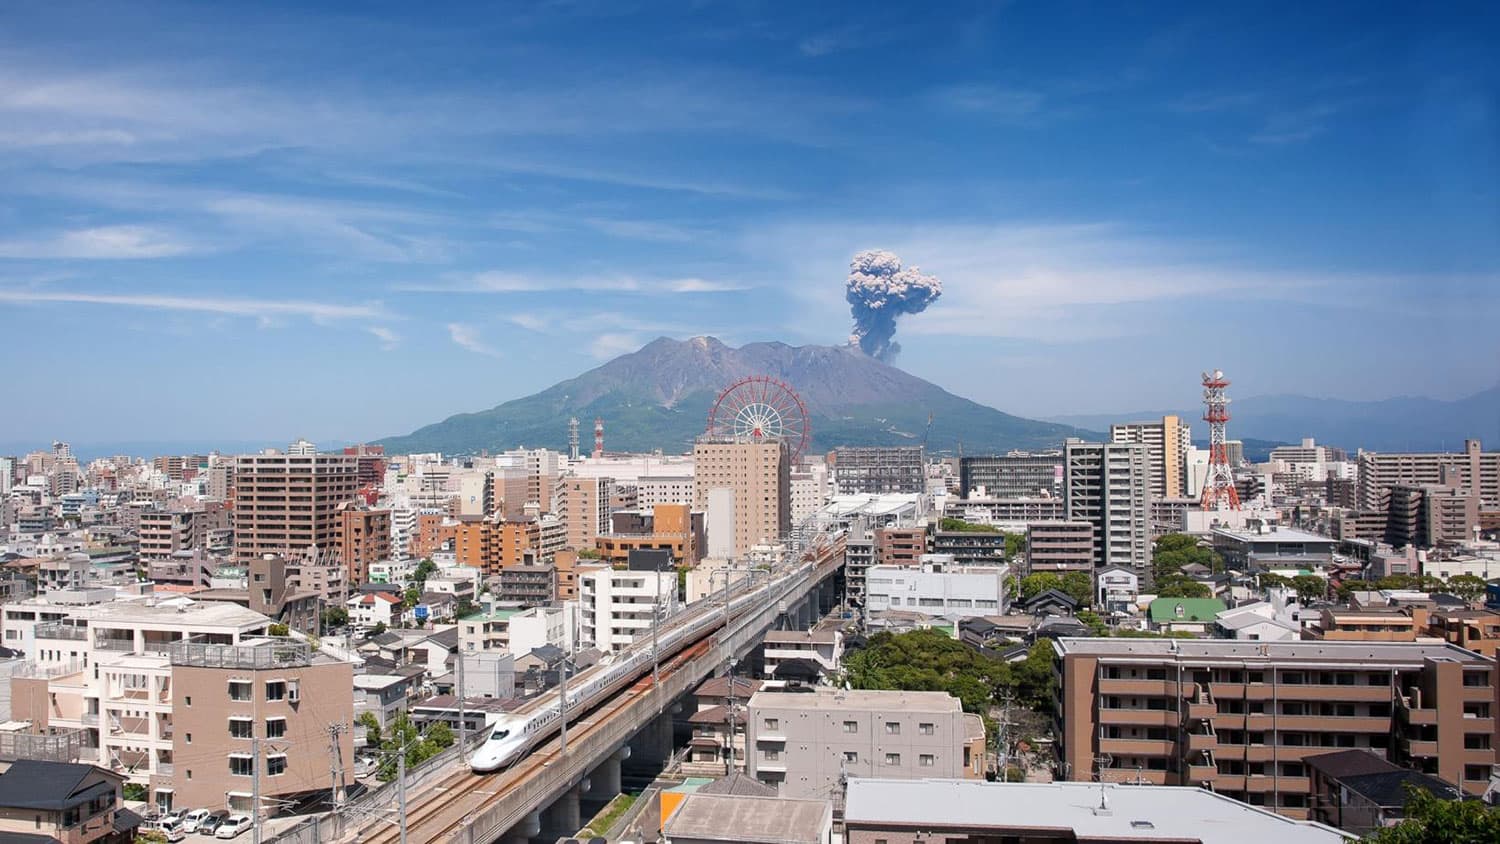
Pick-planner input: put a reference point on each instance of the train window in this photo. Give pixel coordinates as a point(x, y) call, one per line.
point(499, 734)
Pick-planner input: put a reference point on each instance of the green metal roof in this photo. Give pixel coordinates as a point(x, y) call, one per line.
point(1193, 609)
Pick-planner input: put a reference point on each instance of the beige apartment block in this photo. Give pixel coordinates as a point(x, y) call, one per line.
point(1167, 442)
point(286, 502)
point(806, 743)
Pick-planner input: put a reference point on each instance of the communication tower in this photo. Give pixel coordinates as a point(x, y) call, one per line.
point(598, 436)
point(1218, 488)
point(573, 439)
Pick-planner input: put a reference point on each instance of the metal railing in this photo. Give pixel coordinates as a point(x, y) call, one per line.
point(275, 653)
point(62, 746)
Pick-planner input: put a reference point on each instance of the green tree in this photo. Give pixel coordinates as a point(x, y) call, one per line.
point(1175, 550)
point(372, 729)
point(1269, 579)
point(1347, 587)
point(1433, 820)
point(951, 525)
point(588, 553)
point(464, 608)
point(1310, 587)
point(334, 617)
point(1015, 545)
point(277, 629)
point(1035, 584)
point(1470, 587)
point(928, 660)
point(1096, 625)
point(1034, 677)
point(378, 628)
point(1079, 587)
point(424, 570)
point(411, 598)
point(1181, 586)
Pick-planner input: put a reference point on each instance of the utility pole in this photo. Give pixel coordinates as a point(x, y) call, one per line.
point(562, 705)
point(254, 783)
point(401, 789)
point(463, 728)
point(336, 766)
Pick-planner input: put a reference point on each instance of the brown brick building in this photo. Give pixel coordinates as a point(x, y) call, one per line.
point(286, 502)
point(1239, 717)
point(362, 537)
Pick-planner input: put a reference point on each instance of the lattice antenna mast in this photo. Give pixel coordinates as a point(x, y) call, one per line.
point(573, 439)
point(598, 437)
point(1218, 488)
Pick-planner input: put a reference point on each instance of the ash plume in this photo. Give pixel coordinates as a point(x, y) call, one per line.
point(879, 290)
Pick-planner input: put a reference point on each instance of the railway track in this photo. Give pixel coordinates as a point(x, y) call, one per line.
point(446, 805)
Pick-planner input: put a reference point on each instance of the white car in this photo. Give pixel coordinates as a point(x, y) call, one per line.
point(234, 826)
point(171, 828)
point(191, 820)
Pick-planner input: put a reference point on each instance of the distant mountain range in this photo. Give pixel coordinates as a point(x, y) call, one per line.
point(659, 398)
point(1399, 424)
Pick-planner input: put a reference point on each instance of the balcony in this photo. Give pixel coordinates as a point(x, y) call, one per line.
point(1333, 724)
point(1199, 773)
point(1260, 721)
point(1137, 747)
point(1420, 749)
point(1203, 741)
point(1228, 782)
point(1259, 783)
point(1139, 688)
point(1132, 776)
point(62, 631)
point(1201, 711)
point(164, 769)
point(770, 738)
point(1139, 717)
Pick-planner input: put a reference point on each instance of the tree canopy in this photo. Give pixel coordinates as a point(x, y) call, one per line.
point(928, 660)
point(1075, 584)
point(1174, 550)
point(420, 745)
point(1433, 820)
point(948, 524)
point(1470, 587)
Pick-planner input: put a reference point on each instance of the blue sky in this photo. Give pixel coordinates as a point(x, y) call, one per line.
point(381, 214)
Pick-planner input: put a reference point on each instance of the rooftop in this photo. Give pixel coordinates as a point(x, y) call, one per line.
point(759, 820)
point(1135, 813)
point(174, 611)
point(1408, 653)
point(828, 698)
point(1193, 609)
point(826, 637)
point(1277, 534)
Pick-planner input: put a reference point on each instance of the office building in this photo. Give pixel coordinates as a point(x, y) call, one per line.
point(937, 587)
point(807, 743)
point(1011, 476)
point(617, 606)
point(878, 470)
point(1240, 717)
point(362, 536)
point(286, 502)
point(1167, 442)
point(1264, 547)
point(1472, 469)
point(225, 697)
point(1107, 486)
point(1059, 547)
point(759, 476)
point(934, 810)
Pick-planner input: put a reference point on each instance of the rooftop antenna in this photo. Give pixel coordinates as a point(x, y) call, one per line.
point(573, 439)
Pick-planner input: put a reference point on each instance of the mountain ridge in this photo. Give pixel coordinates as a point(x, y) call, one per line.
point(658, 397)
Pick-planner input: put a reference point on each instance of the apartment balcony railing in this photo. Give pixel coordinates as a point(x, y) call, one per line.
point(62, 631)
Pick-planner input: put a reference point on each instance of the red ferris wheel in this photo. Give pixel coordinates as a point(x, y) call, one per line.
point(761, 408)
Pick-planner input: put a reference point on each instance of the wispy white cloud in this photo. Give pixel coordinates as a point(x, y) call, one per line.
point(99, 243)
point(263, 309)
point(613, 344)
point(468, 337)
point(389, 339)
point(500, 281)
point(1001, 103)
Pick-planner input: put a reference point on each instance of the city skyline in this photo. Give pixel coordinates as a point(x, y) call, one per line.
point(204, 208)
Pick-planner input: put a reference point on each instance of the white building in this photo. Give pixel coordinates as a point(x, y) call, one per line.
point(1118, 589)
point(652, 490)
point(617, 606)
point(938, 587)
point(538, 626)
point(374, 608)
point(823, 647)
point(707, 579)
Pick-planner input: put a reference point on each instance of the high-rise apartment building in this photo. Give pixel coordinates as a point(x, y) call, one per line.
point(167, 531)
point(1240, 717)
point(1010, 476)
point(878, 470)
point(1060, 547)
point(759, 474)
point(1473, 469)
point(362, 537)
point(286, 502)
point(583, 506)
point(1107, 485)
point(616, 606)
point(1167, 443)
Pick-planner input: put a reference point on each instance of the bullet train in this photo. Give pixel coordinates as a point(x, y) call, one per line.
point(512, 735)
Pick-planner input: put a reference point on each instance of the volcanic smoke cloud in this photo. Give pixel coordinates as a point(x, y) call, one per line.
point(879, 290)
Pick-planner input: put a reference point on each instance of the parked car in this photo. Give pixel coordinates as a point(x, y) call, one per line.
point(170, 828)
point(211, 824)
point(233, 826)
point(191, 820)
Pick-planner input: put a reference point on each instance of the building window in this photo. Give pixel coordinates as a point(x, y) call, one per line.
point(241, 765)
point(241, 728)
point(187, 700)
point(772, 755)
point(851, 726)
point(189, 737)
point(772, 723)
point(926, 729)
point(925, 760)
point(893, 728)
point(275, 727)
point(851, 756)
point(276, 765)
point(893, 759)
point(239, 690)
point(276, 690)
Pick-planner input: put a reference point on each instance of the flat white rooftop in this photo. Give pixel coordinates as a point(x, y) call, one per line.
point(1145, 813)
point(822, 697)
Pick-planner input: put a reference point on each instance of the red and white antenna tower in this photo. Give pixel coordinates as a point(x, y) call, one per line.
point(1218, 488)
point(598, 436)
